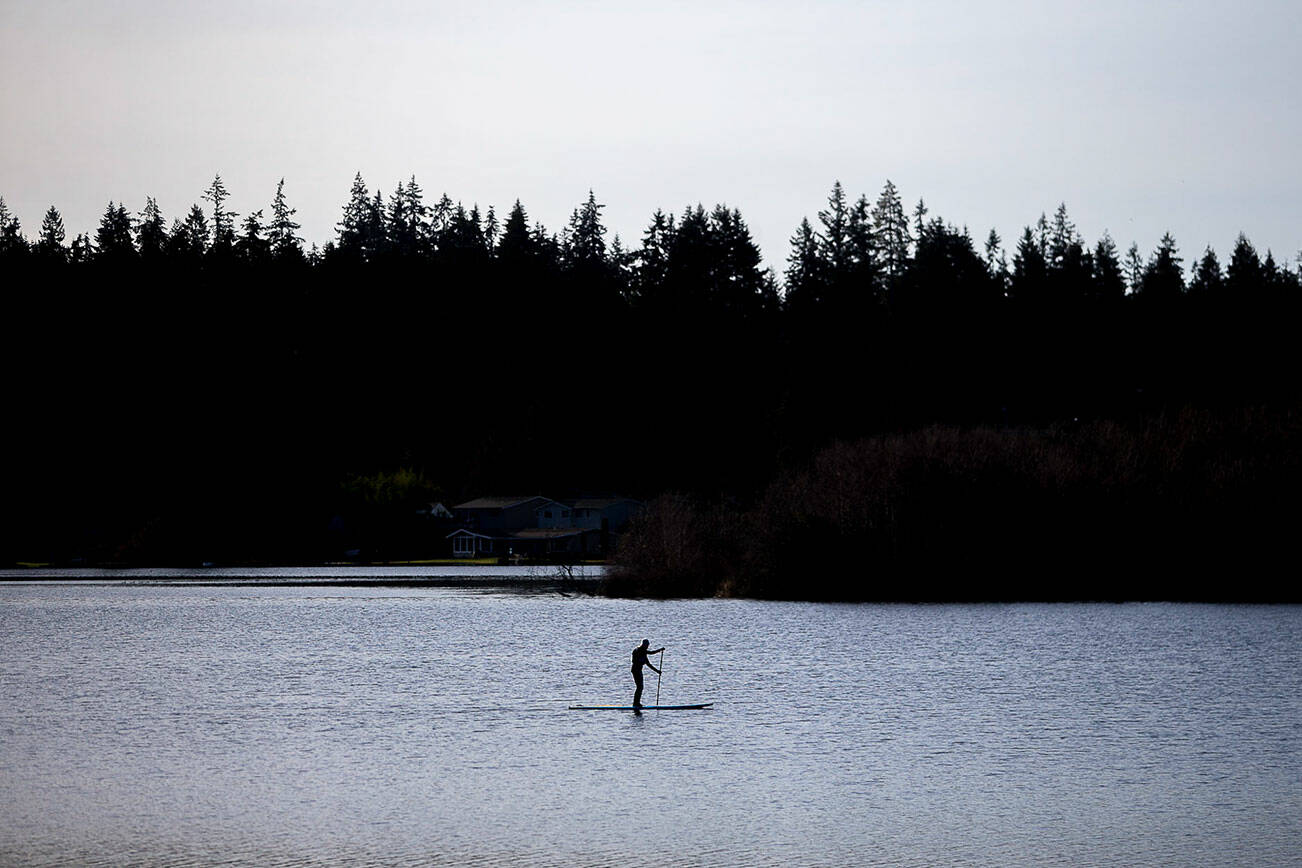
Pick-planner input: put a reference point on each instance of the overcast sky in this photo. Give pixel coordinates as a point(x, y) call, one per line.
point(1142, 116)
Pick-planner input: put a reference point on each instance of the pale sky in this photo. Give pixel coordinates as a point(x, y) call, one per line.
point(1142, 116)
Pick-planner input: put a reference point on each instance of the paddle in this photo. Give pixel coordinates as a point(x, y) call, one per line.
point(660, 672)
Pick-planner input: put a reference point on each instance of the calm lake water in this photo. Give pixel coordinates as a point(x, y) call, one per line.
point(171, 724)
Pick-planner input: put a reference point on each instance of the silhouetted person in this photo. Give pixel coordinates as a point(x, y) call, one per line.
point(640, 654)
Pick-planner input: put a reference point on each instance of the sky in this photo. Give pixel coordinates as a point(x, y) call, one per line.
point(1143, 117)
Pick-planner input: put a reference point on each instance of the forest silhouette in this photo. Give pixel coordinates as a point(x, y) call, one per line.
point(213, 389)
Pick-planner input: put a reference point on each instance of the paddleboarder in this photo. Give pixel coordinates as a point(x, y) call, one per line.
point(640, 655)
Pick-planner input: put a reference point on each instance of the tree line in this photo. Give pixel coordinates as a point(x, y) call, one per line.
point(216, 372)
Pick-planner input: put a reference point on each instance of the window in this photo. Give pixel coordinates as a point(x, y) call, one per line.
point(463, 545)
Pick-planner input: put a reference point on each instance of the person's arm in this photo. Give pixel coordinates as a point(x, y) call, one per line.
point(648, 663)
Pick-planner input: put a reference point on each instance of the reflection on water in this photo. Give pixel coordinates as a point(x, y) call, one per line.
point(290, 725)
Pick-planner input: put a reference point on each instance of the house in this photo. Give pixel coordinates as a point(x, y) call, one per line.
point(538, 527)
point(611, 514)
point(489, 515)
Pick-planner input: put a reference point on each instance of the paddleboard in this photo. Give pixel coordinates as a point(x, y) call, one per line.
point(643, 708)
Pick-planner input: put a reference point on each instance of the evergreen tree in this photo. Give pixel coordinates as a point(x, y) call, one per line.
point(1107, 280)
point(352, 226)
point(223, 221)
point(189, 239)
point(997, 262)
point(920, 212)
point(804, 276)
point(1068, 262)
point(441, 218)
point(1042, 237)
point(948, 281)
point(1163, 279)
point(113, 238)
point(862, 271)
point(1134, 268)
point(1062, 238)
point(835, 237)
point(1275, 279)
point(690, 270)
point(651, 271)
point(737, 278)
point(82, 250)
point(621, 266)
point(891, 229)
point(282, 232)
point(993, 251)
point(12, 242)
point(586, 248)
point(151, 232)
point(1244, 275)
point(516, 246)
point(1028, 285)
point(252, 247)
point(1207, 280)
point(407, 228)
point(375, 231)
point(492, 229)
point(49, 244)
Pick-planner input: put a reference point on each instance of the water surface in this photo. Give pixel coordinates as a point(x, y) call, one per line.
point(183, 725)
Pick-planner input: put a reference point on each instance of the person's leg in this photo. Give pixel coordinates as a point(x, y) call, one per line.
point(637, 694)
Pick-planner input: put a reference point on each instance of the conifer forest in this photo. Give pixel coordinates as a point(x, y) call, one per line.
point(904, 400)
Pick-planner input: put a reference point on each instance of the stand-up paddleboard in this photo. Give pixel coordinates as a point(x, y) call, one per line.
point(642, 708)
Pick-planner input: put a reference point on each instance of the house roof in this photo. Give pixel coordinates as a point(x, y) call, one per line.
point(464, 532)
point(497, 502)
point(548, 532)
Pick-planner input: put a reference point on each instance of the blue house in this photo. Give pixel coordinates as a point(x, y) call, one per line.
point(539, 527)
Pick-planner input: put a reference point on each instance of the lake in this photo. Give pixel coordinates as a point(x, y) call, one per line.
point(152, 720)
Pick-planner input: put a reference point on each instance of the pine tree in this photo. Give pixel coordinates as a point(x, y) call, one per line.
point(1028, 285)
point(375, 232)
point(862, 269)
point(352, 226)
point(113, 237)
point(516, 247)
point(586, 249)
point(993, 251)
point(1274, 278)
point(49, 244)
point(920, 212)
point(737, 278)
point(407, 228)
point(252, 247)
point(891, 228)
point(189, 239)
point(1163, 279)
point(1068, 262)
point(1244, 275)
point(1207, 280)
point(1134, 268)
point(804, 276)
point(492, 229)
point(282, 232)
point(1062, 238)
point(223, 221)
point(12, 242)
point(835, 237)
point(1107, 279)
point(82, 250)
point(151, 232)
